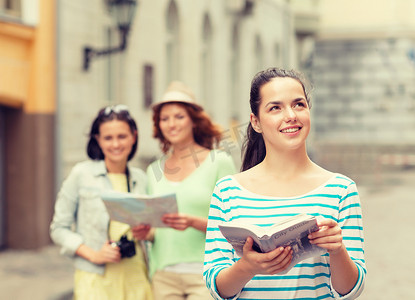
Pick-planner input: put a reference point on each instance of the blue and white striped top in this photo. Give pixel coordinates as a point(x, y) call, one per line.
point(336, 199)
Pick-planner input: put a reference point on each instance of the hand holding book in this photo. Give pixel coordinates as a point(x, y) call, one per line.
point(273, 262)
point(292, 232)
point(329, 236)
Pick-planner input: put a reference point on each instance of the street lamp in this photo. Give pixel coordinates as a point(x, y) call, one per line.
point(124, 12)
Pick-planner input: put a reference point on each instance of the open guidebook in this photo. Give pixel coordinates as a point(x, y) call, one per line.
point(135, 209)
point(292, 232)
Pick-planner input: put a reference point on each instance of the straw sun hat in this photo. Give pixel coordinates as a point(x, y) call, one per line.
point(177, 92)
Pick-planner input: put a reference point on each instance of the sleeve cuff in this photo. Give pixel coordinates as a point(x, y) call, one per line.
point(70, 246)
point(213, 289)
point(356, 290)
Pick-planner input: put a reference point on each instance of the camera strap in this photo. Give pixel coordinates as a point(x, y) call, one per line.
point(127, 174)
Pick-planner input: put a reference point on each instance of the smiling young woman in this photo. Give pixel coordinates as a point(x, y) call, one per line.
point(81, 224)
point(278, 179)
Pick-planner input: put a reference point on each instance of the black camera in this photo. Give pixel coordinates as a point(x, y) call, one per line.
point(127, 247)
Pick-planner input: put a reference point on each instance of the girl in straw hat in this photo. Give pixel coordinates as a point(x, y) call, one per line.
point(190, 168)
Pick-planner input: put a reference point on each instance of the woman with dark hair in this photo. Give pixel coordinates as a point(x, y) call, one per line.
point(81, 224)
point(190, 168)
point(279, 180)
point(254, 146)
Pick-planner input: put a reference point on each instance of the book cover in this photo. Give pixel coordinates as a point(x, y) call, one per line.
point(291, 232)
point(135, 209)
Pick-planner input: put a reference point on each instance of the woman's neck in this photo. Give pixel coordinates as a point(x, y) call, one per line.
point(113, 167)
point(185, 150)
point(286, 164)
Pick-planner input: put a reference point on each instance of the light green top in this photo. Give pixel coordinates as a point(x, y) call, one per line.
point(193, 194)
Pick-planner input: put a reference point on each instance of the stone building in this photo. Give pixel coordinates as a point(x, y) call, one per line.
point(363, 68)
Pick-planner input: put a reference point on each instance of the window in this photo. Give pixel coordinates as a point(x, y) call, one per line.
point(148, 85)
point(172, 43)
point(206, 68)
point(2, 176)
point(11, 8)
point(110, 65)
point(259, 55)
point(235, 70)
point(277, 54)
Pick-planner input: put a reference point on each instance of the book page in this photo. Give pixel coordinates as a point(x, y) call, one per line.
point(237, 236)
point(295, 236)
point(287, 223)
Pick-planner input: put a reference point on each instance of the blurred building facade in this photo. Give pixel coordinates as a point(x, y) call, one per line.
point(215, 47)
point(47, 99)
point(27, 121)
point(363, 67)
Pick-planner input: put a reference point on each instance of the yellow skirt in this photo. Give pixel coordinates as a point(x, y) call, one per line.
point(126, 280)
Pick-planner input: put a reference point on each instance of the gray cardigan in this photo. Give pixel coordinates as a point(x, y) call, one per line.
point(80, 215)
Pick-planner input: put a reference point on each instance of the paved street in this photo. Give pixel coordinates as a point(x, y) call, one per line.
point(389, 237)
point(388, 211)
point(35, 275)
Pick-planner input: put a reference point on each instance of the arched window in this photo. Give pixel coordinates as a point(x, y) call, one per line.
point(259, 54)
point(235, 70)
point(277, 54)
point(206, 67)
point(172, 43)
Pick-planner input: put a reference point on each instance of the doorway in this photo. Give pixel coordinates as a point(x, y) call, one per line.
point(2, 178)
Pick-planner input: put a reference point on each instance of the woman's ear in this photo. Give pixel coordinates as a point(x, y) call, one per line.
point(256, 125)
